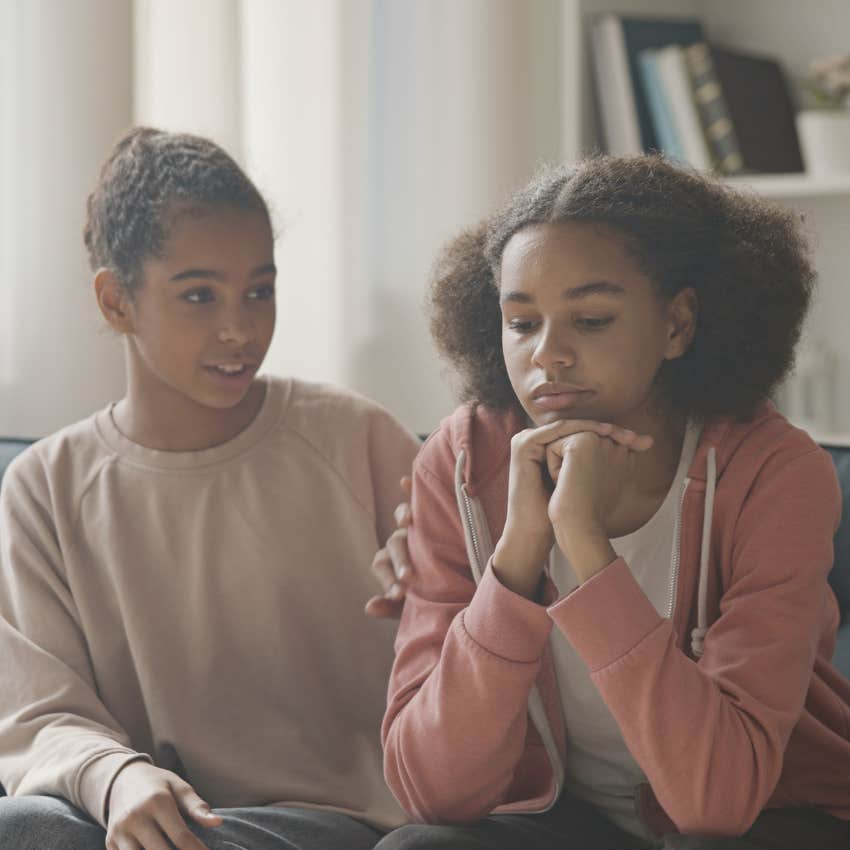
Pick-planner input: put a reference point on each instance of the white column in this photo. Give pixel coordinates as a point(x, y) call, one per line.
point(379, 129)
point(187, 68)
point(66, 97)
point(295, 143)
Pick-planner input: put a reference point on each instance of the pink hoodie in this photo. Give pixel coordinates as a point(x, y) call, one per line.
point(729, 707)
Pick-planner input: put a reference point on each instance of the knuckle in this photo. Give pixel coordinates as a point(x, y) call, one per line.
point(379, 562)
point(397, 536)
point(183, 837)
point(160, 797)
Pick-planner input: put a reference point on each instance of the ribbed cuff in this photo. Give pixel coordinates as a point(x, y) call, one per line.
point(96, 780)
point(606, 617)
point(505, 623)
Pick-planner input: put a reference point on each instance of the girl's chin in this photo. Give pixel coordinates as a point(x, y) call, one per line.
point(539, 418)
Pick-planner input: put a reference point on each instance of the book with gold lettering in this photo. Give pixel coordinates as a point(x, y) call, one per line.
point(713, 110)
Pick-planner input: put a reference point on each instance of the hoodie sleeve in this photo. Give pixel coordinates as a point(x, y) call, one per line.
point(466, 659)
point(711, 735)
point(56, 736)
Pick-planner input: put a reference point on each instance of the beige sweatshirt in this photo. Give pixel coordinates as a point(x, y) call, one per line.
point(203, 609)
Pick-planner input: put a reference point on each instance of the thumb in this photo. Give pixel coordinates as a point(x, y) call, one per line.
point(554, 460)
point(192, 805)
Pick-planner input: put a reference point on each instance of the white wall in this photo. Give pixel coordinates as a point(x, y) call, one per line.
point(379, 128)
point(66, 99)
point(186, 68)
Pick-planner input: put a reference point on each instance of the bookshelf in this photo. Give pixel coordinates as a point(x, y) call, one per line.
point(780, 186)
point(794, 33)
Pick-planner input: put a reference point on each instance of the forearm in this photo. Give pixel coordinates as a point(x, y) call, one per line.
point(710, 741)
point(454, 735)
point(518, 565)
point(588, 550)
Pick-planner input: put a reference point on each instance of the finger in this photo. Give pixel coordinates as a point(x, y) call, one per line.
point(383, 608)
point(406, 485)
point(565, 428)
point(402, 515)
point(399, 556)
point(382, 569)
point(553, 461)
point(624, 438)
point(149, 836)
point(187, 802)
point(122, 842)
point(630, 439)
point(569, 427)
point(642, 443)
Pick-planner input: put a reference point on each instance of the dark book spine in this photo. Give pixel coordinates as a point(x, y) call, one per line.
point(713, 110)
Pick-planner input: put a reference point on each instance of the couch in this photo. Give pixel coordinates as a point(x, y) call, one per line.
point(839, 578)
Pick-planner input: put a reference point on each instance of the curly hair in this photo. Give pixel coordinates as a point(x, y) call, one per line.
point(149, 177)
point(745, 258)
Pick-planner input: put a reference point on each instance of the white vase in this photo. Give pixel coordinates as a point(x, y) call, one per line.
point(825, 140)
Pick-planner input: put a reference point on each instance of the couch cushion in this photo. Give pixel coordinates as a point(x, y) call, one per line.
point(9, 447)
point(839, 578)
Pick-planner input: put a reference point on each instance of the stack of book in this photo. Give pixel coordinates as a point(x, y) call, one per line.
point(661, 86)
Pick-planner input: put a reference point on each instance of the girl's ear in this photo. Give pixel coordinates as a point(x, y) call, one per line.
point(682, 320)
point(113, 300)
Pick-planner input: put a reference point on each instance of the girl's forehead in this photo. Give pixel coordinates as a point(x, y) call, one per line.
point(213, 228)
point(565, 249)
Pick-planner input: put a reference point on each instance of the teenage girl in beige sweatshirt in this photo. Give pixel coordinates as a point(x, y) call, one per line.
point(185, 662)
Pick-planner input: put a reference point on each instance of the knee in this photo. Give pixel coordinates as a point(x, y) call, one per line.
point(695, 842)
point(422, 837)
point(36, 822)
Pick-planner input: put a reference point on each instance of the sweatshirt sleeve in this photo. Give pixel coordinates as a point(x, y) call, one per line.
point(56, 736)
point(711, 735)
point(466, 659)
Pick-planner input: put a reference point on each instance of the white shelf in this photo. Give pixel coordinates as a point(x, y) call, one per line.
point(835, 439)
point(793, 185)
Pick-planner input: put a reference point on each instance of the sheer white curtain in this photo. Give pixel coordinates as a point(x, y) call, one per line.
point(66, 94)
point(377, 129)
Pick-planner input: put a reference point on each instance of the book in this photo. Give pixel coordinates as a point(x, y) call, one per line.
point(761, 111)
point(616, 41)
point(614, 91)
point(656, 100)
point(676, 85)
point(714, 113)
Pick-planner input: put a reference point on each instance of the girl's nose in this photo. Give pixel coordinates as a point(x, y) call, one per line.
point(236, 331)
point(553, 351)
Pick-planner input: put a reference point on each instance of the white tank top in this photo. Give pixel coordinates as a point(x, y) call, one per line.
point(599, 767)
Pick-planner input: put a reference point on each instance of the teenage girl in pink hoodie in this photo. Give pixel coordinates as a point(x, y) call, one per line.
point(618, 629)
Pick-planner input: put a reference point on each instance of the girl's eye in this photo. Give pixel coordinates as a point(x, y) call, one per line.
point(198, 296)
point(592, 323)
point(262, 293)
point(522, 326)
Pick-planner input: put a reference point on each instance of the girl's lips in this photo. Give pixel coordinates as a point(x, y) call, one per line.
point(559, 400)
point(232, 379)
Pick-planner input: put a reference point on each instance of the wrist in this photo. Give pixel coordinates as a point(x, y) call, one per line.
point(589, 551)
point(519, 568)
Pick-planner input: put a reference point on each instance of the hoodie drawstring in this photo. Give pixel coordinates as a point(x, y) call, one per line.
point(698, 633)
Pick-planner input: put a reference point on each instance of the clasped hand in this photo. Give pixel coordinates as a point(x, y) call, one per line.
point(566, 480)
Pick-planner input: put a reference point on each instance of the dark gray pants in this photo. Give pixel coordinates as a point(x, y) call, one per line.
point(573, 825)
point(48, 823)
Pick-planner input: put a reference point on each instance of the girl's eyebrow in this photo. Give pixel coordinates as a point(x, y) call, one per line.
point(599, 287)
point(212, 274)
